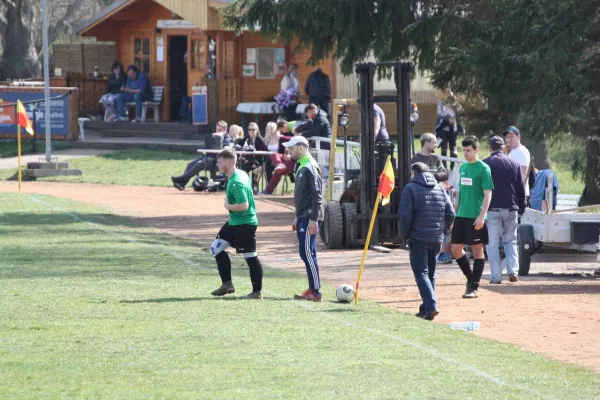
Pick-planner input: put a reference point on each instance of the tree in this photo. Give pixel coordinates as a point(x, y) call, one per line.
point(19, 57)
point(535, 61)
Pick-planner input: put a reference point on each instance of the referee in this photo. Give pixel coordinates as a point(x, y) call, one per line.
point(240, 230)
point(308, 198)
point(474, 197)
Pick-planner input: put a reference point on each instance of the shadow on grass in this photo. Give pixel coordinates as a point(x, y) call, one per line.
point(147, 155)
point(189, 299)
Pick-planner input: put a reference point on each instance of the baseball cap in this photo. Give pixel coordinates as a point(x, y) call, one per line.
point(296, 140)
point(512, 129)
point(496, 140)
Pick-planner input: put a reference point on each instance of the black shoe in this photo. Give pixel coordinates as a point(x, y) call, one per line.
point(177, 184)
point(419, 315)
point(431, 315)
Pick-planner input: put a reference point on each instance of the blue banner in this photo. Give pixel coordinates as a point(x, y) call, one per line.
point(199, 105)
point(59, 112)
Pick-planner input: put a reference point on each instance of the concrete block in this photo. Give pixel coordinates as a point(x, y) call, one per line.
point(41, 173)
point(46, 165)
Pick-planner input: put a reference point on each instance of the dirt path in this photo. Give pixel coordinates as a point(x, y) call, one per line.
point(552, 312)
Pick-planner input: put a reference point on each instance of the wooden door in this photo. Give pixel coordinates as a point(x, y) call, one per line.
point(197, 56)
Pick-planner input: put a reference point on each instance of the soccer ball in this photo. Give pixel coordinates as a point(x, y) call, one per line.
point(345, 293)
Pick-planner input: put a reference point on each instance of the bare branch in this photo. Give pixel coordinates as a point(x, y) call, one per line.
point(64, 23)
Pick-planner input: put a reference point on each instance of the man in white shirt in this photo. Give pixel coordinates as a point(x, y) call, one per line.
point(519, 153)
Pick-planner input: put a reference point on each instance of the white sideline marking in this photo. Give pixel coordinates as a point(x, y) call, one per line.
point(430, 351)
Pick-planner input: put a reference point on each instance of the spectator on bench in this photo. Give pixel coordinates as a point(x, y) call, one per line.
point(136, 89)
point(282, 161)
point(116, 81)
point(221, 139)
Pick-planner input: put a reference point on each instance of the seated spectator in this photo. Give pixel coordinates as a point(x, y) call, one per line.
point(253, 142)
point(282, 162)
point(315, 125)
point(116, 81)
point(136, 89)
point(221, 139)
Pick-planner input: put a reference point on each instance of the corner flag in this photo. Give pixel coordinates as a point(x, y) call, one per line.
point(23, 118)
point(386, 182)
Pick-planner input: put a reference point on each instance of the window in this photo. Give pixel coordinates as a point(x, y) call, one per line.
point(265, 63)
point(141, 54)
point(197, 56)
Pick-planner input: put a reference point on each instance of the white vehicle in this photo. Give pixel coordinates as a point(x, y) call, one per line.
point(559, 229)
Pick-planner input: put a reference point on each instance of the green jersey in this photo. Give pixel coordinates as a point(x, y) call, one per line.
point(474, 179)
point(239, 190)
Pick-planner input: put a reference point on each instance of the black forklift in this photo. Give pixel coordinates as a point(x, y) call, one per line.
point(346, 221)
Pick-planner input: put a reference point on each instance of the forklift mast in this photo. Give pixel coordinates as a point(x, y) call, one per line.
point(374, 154)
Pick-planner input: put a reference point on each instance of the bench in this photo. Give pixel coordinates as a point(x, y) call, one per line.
point(154, 104)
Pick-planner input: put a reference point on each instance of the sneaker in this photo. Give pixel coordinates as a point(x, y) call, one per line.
point(226, 288)
point(123, 119)
point(495, 282)
point(252, 296)
point(431, 315)
point(137, 120)
point(419, 315)
point(308, 295)
point(263, 193)
point(513, 278)
point(444, 258)
point(467, 288)
point(176, 184)
point(471, 294)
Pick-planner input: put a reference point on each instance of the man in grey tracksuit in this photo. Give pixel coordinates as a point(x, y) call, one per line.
point(308, 197)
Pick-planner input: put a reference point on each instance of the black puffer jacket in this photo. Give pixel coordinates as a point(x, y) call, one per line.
point(425, 211)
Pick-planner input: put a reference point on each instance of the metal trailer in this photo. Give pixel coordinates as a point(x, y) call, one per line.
point(559, 229)
point(346, 221)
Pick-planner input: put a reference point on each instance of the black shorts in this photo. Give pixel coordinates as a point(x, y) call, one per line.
point(463, 232)
point(240, 237)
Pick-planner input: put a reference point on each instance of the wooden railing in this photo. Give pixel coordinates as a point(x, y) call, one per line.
point(90, 91)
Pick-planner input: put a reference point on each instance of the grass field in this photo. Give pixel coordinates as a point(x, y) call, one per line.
point(94, 307)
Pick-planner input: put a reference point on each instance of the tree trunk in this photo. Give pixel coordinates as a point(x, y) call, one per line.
point(539, 151)
point(591, 192)
point(20, 59)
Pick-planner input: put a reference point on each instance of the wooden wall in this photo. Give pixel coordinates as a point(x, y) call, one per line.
point(258, 90)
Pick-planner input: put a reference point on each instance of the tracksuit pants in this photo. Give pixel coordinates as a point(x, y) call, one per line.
point(307, 246)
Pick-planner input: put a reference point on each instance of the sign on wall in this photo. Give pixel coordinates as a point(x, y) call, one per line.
point(248, 70)
point(200, 105)
point(59, 112)
point(174, 24)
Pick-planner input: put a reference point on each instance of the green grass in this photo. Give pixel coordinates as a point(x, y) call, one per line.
point(9, 148)
point(93, 306)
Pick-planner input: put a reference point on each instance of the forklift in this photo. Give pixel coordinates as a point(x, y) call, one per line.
point(346, 221)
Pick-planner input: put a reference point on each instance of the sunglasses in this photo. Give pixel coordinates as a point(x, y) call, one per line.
point(251, 129)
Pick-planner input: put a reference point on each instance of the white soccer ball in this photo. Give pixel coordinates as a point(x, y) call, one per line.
point(345, 293)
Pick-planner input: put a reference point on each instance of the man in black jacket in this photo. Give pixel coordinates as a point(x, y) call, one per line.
point(315, 125)
point(318, 89)
point(425, 213)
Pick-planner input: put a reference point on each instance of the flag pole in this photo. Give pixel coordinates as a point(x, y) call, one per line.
point(364, 256)
point(19, 151)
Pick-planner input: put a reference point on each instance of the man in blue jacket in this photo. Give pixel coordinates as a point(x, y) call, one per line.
point(137, 89)
point(425, 214)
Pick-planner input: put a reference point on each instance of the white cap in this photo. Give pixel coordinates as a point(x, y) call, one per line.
point(296, 140)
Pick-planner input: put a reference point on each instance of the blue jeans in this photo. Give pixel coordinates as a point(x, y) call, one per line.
point(307, 246)
point(423, 259)
point(502, 225)
point(123, 98)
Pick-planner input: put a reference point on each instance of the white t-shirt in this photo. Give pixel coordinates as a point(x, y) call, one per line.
point(522, 156)
point(273, 146)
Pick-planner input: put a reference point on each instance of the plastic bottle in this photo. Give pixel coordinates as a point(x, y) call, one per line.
point(95, 71)
point(465, 326)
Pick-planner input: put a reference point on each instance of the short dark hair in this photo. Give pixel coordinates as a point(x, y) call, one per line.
point(311, 107)
point(471, 141)
point(133, 68)
point(496, 146)
point(117, 64)
point(227, 153)
point(419, 168)
point(281, 123)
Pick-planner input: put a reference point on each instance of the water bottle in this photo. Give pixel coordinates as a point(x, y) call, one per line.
point(465, 326)
point(95, 71)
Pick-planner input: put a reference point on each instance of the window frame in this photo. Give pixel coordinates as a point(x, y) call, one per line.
point(143, 56)
point(272, 50)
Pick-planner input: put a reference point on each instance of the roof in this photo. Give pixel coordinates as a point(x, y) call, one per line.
point(101, 15)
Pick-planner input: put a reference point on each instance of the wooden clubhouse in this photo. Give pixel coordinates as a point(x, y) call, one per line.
point(155, 35)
